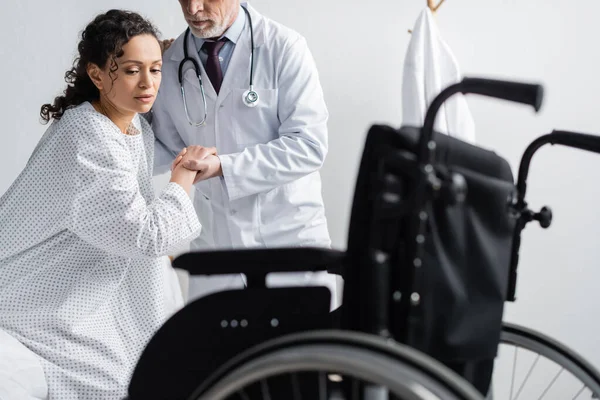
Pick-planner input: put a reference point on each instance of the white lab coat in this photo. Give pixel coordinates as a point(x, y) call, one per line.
point(270, 192)
point(430, 67)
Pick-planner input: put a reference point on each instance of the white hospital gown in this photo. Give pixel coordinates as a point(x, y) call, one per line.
point(83, 242)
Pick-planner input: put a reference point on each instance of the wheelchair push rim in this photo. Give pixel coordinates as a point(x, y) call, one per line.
point(358, 358)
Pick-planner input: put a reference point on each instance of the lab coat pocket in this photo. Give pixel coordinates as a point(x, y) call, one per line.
point(255, 125)
point(267, 200)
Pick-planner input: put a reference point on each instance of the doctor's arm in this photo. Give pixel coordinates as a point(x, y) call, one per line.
point(109, 211)
point(301, 146)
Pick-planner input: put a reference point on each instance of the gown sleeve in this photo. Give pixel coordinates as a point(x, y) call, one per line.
point(108, 210)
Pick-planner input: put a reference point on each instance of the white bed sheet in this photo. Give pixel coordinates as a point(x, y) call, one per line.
point(21, 373)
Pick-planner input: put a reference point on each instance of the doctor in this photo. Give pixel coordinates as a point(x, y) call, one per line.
point(251, 91)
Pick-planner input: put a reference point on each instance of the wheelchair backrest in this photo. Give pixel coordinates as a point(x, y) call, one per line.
point(448, 301)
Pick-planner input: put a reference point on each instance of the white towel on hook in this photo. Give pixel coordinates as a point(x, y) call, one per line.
point(430, 67)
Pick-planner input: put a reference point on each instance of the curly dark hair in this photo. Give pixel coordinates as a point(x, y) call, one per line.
point(102, 40)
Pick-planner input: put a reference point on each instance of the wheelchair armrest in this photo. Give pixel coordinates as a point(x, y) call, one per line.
point(257, 263)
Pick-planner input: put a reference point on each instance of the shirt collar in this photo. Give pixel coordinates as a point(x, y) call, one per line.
point(233, 33)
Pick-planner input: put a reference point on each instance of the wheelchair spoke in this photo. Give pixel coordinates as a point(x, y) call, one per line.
point(264, 388)
point(295, 387)
point(243, 395)
point(355, 389)
point(527, 377)
point(545, 362)
point(579, 393)
point(512, 382)
point(322, 386)
point(551, 383)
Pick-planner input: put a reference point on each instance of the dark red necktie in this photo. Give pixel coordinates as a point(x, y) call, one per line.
point(213, 65)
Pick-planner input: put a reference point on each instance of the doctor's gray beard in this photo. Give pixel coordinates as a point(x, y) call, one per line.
point(217, 29)
point(214, 31)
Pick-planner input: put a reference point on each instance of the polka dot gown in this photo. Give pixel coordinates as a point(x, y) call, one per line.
point(82, 246)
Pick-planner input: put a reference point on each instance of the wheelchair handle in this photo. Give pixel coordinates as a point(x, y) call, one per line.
point(525, 93)
point(575, 140)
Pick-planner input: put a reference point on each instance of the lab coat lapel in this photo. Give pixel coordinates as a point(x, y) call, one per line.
point(238, 71)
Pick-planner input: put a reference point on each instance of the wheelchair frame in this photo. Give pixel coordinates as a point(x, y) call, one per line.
point(376, 303)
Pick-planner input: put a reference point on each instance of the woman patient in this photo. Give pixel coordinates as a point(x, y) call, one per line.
point(83, 239)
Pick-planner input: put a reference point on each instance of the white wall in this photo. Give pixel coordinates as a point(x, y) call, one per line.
point(359, 47)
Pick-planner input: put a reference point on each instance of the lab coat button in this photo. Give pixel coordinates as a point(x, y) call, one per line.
point(233, 212)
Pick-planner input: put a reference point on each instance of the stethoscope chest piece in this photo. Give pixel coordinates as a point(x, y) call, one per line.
point(250, 98)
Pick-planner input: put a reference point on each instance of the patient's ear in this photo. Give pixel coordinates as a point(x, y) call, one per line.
point(95, 74)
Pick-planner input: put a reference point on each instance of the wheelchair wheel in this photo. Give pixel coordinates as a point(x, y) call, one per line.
point(334, 365)
point(538, 367)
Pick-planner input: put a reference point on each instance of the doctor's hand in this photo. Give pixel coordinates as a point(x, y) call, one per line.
point(196, 152)
point(207, 168)
point(165, 44)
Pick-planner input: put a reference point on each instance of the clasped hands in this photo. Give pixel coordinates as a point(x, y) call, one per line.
point(202, 159)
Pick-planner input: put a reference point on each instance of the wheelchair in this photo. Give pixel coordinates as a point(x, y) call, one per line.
point(431, 258)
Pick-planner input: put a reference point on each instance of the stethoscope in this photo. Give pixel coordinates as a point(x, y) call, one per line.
point(250, 97)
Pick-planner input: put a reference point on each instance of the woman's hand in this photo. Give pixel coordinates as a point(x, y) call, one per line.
point(195, 153)
point(184, 177)
point(193, 164)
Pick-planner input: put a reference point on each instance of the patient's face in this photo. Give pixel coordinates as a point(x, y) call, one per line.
point(132, 88)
